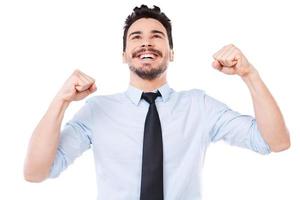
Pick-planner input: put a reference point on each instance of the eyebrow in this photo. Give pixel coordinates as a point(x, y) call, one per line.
point(135, 33)
point(140, 32)
point(159, 32)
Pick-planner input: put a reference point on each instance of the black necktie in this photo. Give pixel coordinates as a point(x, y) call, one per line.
point(152, 168)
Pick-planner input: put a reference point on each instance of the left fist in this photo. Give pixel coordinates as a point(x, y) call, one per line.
point(230, 60)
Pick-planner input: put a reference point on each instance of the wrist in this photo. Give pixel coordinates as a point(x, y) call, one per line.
point(251, 75)
point(253, 82)
point(59, 102)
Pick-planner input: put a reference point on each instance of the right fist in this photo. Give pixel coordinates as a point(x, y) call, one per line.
point(77, 87)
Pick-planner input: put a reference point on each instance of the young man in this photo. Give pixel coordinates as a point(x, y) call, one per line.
point(149, 142)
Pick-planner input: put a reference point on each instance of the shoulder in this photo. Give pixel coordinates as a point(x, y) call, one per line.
point(190, 94)
point(105, 101)
point(202, 98)
point(116, 97)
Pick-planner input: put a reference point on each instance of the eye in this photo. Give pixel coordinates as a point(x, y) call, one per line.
point(136, 37)
point(157, 36)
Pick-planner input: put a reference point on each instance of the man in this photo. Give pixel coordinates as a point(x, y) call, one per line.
point(149, 142)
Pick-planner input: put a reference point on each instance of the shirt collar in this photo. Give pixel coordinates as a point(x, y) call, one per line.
point(134, 94)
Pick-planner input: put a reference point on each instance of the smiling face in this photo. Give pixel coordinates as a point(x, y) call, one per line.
point(147, 48)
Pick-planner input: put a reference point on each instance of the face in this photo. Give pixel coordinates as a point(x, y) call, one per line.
point(147, 48)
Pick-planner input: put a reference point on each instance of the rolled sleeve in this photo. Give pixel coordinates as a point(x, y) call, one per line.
point(75, 138)
point(234, 128)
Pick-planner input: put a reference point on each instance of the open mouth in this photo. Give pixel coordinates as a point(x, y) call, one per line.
point(147, 56)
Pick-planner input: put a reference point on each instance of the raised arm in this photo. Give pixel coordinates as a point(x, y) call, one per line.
point(45, 138)
point(230, 60)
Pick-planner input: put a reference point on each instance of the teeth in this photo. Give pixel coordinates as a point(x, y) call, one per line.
point(144, 56)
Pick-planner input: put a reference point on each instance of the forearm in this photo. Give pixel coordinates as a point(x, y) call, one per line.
point(44, 141)
point(267, 113)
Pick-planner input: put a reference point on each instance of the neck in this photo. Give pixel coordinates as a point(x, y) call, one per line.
point(147, 85)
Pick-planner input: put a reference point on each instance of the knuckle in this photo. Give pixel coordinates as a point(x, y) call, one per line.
point(76, 72)
point(223, 59)
point(215, 55)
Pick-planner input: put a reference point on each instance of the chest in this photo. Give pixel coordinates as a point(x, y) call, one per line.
point(118, 134)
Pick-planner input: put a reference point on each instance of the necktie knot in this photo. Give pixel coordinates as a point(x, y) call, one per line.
point(150, 96)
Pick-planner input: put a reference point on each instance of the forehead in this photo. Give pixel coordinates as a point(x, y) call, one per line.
point(146, 25)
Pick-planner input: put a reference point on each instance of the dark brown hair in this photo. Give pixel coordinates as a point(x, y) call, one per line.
point(144, 12)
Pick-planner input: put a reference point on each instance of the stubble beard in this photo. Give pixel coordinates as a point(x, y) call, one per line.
point(147, 74)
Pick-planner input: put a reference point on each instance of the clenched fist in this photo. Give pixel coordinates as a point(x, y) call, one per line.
point(230, 60)
point(77, 87)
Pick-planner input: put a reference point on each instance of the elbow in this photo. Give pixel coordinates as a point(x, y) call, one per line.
point(281, 146)
point(34, 177)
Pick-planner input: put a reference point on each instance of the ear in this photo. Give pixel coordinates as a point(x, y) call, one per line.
point(171, 55)
point(124, 58)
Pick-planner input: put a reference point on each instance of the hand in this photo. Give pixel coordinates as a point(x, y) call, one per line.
point(230, 60)
point(77, 87)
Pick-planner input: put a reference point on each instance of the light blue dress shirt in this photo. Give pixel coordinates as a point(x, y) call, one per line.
point(113, 125)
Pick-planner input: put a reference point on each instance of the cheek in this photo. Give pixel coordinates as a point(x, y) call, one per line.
point(131, 46)
point(128, 53)
point(127, 57)
point(167, 54)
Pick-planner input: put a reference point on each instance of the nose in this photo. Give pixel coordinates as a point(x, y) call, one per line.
point(147, 43)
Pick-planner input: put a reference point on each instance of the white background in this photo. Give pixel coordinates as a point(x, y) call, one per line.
point(42, 42)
